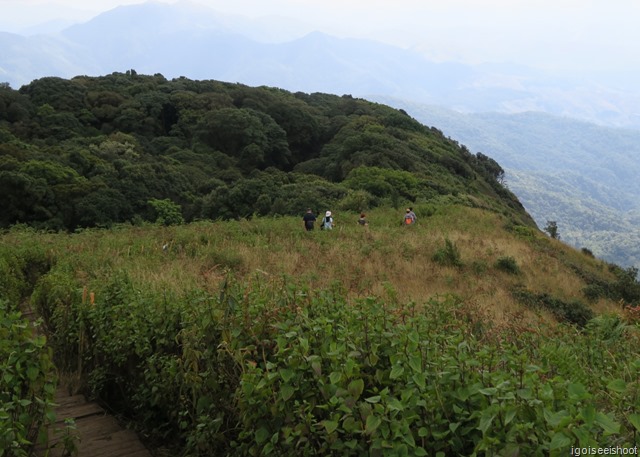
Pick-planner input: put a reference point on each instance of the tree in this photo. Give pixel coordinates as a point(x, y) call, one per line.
point(552, 230)
point(169, 213)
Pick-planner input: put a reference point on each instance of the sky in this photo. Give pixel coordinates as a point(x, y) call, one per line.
point(596, 39)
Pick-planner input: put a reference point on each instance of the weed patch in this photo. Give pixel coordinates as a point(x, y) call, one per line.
point(449, 255)
point(574, 312)
point(508, 264)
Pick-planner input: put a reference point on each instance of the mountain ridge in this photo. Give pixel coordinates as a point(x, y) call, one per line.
point(485, 87)
point(576, 173)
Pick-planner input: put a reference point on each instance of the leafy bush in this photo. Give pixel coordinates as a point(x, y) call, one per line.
point(168, 212)
point(508, 264)
point(21, 267)
point(449, 255)
point(27, 384)
point(522, 231)
point(357, 200)
point(587, 252)
point(574, 312)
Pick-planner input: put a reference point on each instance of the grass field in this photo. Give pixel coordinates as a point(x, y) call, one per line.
point(462, 334)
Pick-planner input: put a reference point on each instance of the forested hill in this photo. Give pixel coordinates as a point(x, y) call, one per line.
point(93, 151)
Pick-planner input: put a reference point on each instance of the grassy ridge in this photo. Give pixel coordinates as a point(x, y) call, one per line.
point(256, 337)
point(197, 255)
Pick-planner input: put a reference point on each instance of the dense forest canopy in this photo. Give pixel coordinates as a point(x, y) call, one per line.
point(93, 151)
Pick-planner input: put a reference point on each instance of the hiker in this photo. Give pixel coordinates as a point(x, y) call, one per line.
point(308, 219)
point(363, 220)
point(327, 221)
point(409, 217)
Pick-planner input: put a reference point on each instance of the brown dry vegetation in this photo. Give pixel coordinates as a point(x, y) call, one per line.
point(384, 259)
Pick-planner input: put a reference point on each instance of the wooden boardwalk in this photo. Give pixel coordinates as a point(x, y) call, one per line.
point(96, 433)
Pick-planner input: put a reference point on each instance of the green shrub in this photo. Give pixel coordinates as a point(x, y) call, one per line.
point(168, 212)
point(357, 200)
point(508, 264)
point(479, 267)
point(27, 384)
point(593, 292)
point(56, 298)
point(587, 252)
point(449, 255)
point(523, 232)
point(574, 312)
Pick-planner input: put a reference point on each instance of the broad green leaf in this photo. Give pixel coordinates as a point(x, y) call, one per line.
point(330, 426)
point(247, 387)
point(396, 372)
point(335, 377)
point(556, 419)
point(608, 425)
point(287, 392)
point(419, 379)
point(408, 438)
point(578, 392)
point(634, 419)
point(509, 415)
point(373, 422)
point(395, 405)
point(559, 441)
point(356, 387)
point(511, 450)
point(304, 343)
point(262, 435)
point(287, 374)
point(617, 385)
point(589, 414)
point(525, 394)
point(488, 391)
point(485, 421)
point(374, 399)
point(350, 425)
point(32, 373)
point(415, 362)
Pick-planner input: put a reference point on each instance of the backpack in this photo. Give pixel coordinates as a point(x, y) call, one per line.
point(408, 220)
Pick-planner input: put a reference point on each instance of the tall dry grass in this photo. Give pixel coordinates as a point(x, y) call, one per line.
point(383, 259)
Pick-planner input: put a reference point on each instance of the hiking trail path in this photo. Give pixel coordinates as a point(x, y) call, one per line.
point(99, 434)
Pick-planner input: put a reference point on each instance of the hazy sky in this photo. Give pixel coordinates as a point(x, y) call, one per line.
point(589, 37)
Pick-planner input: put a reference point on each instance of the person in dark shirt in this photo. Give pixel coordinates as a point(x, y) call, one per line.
point(308, 219)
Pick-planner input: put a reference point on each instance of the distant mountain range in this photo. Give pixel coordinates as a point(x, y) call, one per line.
point(187, 39)
point(577, 173)
point(581, 175)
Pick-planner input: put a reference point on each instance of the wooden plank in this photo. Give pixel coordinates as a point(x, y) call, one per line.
point(141, 453)
point(78, 411)
point(69, 400)
point(92, 427)
point(120, 443)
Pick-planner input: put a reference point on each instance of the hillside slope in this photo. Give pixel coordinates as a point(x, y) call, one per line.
point(254, 336)
point(96, 151)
